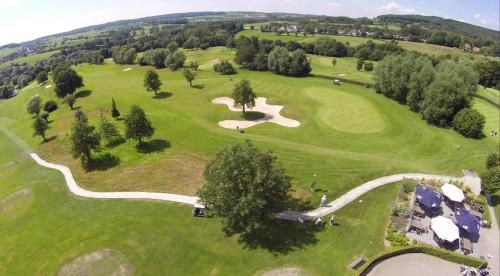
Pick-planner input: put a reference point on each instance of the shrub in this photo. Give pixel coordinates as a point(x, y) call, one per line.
point(408, 187)
point(44, 114)
point(491, 181)
point(469, 123)
point(493, 161)
point(50, 106)
point(368, 66)
point(224, 67)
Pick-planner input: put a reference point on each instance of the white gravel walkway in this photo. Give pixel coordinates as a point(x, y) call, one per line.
point(362, 189)
point(77, 190)
point(272, 114)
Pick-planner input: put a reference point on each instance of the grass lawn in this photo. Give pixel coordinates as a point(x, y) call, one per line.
point(345, 68)
point(31, 59)
point(158, 238)
point(348, 135)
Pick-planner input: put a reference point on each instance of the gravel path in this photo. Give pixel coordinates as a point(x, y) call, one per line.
point(77, 190)
point(415, 264)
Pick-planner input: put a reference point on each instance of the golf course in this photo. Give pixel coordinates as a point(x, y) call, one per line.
point(348, 134)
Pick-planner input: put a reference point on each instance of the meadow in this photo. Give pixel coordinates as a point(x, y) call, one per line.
point(30, 59)
point(348, 135)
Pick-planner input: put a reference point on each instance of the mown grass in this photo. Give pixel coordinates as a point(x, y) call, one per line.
point(158, 238)
point(344, 68)
point(344, 149)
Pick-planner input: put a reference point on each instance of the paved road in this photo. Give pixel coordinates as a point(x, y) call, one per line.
point(415, 264)
point(490, 244)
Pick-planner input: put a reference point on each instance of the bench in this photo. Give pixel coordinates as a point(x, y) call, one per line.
point(358, 262)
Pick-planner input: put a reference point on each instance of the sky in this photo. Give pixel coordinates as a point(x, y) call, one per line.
point(23, 20)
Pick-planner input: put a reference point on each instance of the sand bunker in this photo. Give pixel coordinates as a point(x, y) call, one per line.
point(341, 75)
point(48, 86)
point(271, 114)
point(127, 69)
point(101, 262)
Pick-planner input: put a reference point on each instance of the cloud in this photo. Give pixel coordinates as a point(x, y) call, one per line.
point(394, 7)
point(333, 4)
point(477, 15)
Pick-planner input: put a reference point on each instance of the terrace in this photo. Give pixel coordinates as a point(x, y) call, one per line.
point(437, 220)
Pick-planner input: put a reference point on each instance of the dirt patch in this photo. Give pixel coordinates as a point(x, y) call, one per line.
point(101, 262)
point(285, 271)
point(14, 205)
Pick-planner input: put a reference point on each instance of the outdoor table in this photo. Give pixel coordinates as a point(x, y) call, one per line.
point(417, 225)
point(419, 210)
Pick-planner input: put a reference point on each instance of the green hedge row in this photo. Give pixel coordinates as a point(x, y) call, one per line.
point(365, 84)
point(425, 249)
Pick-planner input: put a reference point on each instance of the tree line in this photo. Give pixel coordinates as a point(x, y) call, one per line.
point(441, 93)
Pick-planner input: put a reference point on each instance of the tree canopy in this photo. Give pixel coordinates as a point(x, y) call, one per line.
point(40, 125)
point(245, 187)
point(66, 81)
point(34, 105)
point(152, 81)
point(243, 95)
point(84, 139)
point(137, 125)
point(469, 123)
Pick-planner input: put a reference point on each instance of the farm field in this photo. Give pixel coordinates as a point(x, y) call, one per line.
point(31, 59)
point(348, 135)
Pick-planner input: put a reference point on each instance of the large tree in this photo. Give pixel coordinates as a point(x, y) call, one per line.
point(137, 125)
point(245, 187)
point(299, 64)
point(34, 105)
point(243, 95)
point(42, 77)
point(84, 139)
point(279, 60)
point(420, 79)
point(151, 81)
point(107, 130)
point(490, 182)
point(66, 81)
point(40, 125)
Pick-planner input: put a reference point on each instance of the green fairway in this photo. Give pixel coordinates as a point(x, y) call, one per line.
point(348, 135)
point(155, 237)
point(345, 68)
point(492, 115)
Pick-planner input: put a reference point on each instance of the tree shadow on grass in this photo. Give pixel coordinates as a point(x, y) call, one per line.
point(115, 142)
point(104, 162)
point(280, 237)
point(162, 95)
point(49, 139)
point(252, 115)
point(155, 145)
point(198, 86)
point(83, 93)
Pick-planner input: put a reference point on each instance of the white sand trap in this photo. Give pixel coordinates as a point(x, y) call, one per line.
point(48, 86)
point(127, 69)
point(341, 75)
point(271, 114)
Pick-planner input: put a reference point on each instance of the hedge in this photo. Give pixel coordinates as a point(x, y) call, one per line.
point(365, 84)
point(425, 249)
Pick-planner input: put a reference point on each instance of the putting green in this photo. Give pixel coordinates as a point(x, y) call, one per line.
point(346, 112)
point(14, 205)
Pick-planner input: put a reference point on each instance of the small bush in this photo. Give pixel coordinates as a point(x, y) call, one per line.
point(493, 161)
point(469, 123)
point(50, 106)
point(408, 187)
point(368, 66)
point(224, 67)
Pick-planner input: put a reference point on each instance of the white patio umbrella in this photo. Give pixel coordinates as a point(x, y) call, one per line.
point(445, 229)
point(453, 192)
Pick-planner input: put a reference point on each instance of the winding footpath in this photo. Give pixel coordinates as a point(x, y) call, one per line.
point(191, 200)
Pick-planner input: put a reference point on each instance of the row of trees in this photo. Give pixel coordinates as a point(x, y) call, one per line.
point(123, 54)
point(161, 58)
point(438, 93)
point(490, 182)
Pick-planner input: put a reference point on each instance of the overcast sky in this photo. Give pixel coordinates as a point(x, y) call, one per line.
point(23, 20)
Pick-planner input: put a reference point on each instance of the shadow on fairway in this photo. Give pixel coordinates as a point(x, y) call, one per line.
point(116, 142)
point(198, 86)
point(155, 145)
point(83, 93)
point(162, 95)
point(281, 236)
point(104, 161)
point(50, 139)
